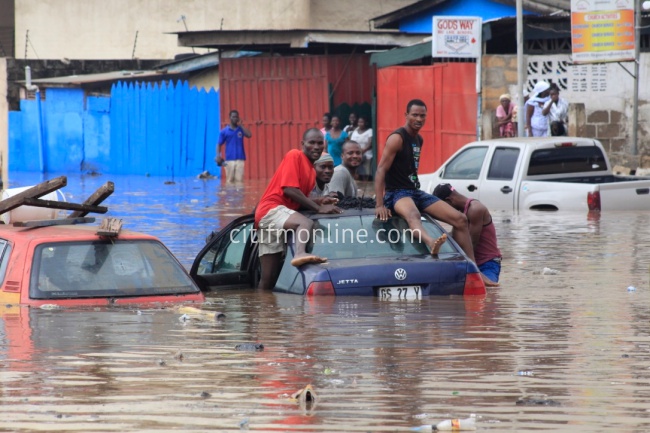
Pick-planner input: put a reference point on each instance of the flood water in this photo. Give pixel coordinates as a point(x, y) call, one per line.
point(562, 346)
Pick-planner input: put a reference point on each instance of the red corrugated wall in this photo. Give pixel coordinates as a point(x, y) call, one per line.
point(448, 89)
point(279, 98)
point(352, 78)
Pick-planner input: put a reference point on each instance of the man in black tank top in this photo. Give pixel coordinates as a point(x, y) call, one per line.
point(397, 187)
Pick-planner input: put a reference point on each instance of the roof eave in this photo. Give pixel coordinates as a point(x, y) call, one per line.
point(256, 39)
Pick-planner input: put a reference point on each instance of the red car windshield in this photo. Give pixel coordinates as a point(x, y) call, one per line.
point(118, 268)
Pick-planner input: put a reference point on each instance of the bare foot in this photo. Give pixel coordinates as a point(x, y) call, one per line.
point(488, 282)
point(435, 247)
point(307, 258)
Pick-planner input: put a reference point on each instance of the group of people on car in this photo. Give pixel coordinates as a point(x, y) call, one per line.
point(309, 179)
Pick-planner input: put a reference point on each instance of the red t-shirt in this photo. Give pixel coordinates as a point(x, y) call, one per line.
point(296, 171)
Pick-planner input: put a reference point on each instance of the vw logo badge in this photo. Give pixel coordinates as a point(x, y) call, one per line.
point(400, 274)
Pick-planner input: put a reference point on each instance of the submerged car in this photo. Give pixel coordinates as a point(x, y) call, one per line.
point(366, 257)
point(73, 265)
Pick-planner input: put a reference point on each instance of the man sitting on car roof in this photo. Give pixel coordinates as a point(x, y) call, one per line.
point(276, 214)
point(397, 186)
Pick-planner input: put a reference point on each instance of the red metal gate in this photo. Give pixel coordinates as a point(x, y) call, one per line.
point(279, 98)
point(448, 89)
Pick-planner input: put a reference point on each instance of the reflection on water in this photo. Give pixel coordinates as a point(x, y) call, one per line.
point(572, 344)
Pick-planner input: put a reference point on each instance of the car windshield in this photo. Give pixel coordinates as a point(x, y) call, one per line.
point(366, 236)
point(118, 268)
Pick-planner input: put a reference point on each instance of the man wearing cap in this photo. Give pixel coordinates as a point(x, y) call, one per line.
point(536, 121)
point(481, 229)
point(324, 170)
point(397, 187)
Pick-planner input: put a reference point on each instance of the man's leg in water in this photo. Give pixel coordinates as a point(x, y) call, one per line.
point(271, 267)
point(460, 229)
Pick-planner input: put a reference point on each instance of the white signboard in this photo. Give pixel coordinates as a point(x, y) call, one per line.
point(457, 36)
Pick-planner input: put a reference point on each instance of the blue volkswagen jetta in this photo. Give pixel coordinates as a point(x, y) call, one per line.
point(366, 257)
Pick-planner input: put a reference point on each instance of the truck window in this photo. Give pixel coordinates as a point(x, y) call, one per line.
point(564, 160)
point(467, 164)
point(503, 163)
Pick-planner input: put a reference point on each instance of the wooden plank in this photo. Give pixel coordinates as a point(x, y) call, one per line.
point(110, 227)
point(63, 205)
point(96, 198)
point(36, 191)
point(58, 222)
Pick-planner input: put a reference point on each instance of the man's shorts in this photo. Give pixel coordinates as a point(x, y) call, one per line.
point(491, 269)
point(270, 232)
point(421, 199)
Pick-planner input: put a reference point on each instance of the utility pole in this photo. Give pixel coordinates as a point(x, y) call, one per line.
point(637, 60)
point(520, 69)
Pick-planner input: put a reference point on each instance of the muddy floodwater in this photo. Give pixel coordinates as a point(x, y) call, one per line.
point(562, 346)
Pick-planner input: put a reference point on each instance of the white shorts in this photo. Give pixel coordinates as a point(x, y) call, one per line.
point(235, 171)
point(270, 230)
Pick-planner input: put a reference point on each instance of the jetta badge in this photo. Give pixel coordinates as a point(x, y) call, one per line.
point(400, 274)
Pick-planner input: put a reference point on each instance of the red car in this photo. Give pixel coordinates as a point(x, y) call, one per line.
point(72, 265)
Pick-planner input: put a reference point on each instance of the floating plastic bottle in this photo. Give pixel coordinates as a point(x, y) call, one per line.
point(456, 424)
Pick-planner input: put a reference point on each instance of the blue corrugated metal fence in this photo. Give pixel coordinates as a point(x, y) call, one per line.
point(160, 129)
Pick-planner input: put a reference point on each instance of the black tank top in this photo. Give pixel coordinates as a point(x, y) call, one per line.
point(403, 173)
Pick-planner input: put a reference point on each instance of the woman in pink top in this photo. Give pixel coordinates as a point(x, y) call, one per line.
point(505, 114)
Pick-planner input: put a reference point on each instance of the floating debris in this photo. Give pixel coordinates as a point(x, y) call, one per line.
point(179, 355)
point(250, 347)
point(197, 313)
point(205, 394)
point(549, 271)
point(305, 397)
point(537, 401)
point(456, 424)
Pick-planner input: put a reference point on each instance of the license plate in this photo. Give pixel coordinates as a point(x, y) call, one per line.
point(399, 293)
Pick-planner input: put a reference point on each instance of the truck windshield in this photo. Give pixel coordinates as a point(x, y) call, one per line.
point(118, 268)
point(565, 160)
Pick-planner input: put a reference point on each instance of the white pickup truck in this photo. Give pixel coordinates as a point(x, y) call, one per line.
point(550, 173)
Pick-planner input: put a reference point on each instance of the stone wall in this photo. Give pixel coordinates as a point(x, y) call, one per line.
point(600, 97)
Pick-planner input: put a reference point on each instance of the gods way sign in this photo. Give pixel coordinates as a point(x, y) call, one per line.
point(456, 36)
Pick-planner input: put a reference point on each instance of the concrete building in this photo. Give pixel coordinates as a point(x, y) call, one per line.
point(125, 29)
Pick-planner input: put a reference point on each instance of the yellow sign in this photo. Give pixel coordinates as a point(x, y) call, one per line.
point(602, 30)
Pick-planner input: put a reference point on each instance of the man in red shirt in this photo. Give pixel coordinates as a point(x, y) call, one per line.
point(276, 214)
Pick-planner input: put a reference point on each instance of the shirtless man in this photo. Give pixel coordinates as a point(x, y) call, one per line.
point(397, 187)
point(276, 214)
